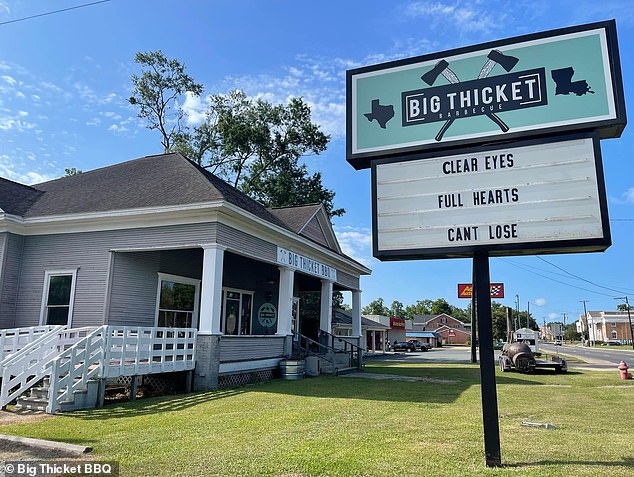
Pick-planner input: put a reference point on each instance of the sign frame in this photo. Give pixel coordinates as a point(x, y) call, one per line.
point(507, 249)
point(611, 127)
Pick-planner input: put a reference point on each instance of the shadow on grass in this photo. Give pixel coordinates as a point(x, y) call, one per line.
point(440, 384)
point(626, 462)
point(155, 405)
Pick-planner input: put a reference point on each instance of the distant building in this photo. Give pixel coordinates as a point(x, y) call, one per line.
point(450, 329)
point(606, 325)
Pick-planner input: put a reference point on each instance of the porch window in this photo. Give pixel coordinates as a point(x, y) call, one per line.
point(236, 312)
point(58, 297)
point(177, 299)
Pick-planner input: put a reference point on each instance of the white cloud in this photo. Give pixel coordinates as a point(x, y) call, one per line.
point(8, 170)
point(8, 123)
point(629, 195)
point(554, 316)
point(356, 242)
point(461, 15)
point(539, 301)
point(117, 128)
point(9, 80)
point(194, 107)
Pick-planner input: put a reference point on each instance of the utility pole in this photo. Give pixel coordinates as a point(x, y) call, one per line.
point(528, 314)
point(563, 335)
point(629, 317)
point(518, 321)
point(585, 319)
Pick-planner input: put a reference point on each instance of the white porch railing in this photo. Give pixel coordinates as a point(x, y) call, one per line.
point(113, 351)
point(132, 351)
point(13, 340)
point(25, 368)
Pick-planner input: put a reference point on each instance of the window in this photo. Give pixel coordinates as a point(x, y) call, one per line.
point(614, 324)
point(177, 301)
point(58, 297)
point(614, 335)
point(236, 312)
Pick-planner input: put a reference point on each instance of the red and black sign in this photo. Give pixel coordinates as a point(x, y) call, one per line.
point(465, 290)
point(397, 323)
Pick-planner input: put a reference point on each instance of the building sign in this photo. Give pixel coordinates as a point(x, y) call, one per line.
point(451, 333)
point(397, 323)
point(305, 264)
point(534, 196)
point(267, 315)
point(465, 290)
point(551, 82)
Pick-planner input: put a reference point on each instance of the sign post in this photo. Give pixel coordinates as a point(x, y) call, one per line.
point(481, 284)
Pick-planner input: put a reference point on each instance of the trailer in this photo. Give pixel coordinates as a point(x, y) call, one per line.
point(519, 356)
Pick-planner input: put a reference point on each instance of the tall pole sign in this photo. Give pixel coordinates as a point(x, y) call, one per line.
point(489, 150)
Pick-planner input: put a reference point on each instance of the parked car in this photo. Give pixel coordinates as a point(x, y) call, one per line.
point(403, 346)
point(612, 343)
point(557, 343)
point(419, 345)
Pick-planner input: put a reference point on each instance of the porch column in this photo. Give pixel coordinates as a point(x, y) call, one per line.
point(211, 290)
point(285, 303)
point(325, 316)
point(208, 341)
point(356, 313)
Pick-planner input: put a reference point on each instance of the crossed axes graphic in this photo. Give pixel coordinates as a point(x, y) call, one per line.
point(495, 57)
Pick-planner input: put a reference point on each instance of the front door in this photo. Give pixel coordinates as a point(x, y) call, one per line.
point(295, 322)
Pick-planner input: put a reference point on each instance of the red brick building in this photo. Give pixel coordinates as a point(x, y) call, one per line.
point(452, 330)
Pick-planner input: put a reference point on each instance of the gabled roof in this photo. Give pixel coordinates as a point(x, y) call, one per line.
point(16, 199)
point(310, 221)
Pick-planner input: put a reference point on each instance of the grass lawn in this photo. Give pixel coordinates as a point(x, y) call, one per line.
point(349, 426)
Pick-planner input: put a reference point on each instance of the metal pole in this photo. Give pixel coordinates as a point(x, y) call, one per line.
point(528, 314)
point(482, 292)
point(585, 316)
point(474, 355)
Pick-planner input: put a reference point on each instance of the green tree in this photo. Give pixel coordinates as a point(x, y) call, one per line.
point(440, 306)
point(623, 307)
point(71, 171)
point(376, 307)
point(397, 309)
point(159, 91)
point(421, 307)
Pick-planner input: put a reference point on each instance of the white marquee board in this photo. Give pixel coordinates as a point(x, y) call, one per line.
point(503, 199)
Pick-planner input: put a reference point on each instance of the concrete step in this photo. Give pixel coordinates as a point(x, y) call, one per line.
point(31, 404)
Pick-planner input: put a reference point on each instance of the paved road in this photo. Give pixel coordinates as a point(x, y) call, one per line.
point(593, 358)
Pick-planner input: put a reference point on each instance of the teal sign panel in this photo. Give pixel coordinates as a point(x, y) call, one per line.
point(551, 82)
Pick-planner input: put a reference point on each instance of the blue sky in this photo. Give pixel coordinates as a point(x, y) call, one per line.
point(65, 80)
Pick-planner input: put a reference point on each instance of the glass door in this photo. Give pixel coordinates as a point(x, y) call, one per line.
point(295, 318)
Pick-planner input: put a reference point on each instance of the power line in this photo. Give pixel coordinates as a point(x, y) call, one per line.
point(554, 280)
point(52, 12)
point(578, 277)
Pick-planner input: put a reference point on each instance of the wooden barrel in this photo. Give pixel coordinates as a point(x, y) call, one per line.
point(292, 369)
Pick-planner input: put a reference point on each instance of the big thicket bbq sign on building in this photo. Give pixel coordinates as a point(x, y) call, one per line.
point(541, 103)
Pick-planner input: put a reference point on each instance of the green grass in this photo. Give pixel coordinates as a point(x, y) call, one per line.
point(345, 426)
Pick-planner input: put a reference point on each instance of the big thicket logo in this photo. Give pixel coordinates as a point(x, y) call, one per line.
point(484, 95)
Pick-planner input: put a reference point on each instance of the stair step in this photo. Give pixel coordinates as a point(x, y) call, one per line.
point(31, 403)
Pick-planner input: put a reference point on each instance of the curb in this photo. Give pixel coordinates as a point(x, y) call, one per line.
point(43, 444)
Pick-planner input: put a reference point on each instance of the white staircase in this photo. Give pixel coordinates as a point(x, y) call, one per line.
point(64, 368)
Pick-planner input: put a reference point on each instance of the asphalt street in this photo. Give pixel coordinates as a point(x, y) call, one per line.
point(589, 358)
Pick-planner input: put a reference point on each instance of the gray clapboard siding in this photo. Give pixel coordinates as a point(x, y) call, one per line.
point(314, 232)
point(9, 280)
point(89, 252)
point(135, 282)
point(239, 241)
point(244, 348)
point(347, 280)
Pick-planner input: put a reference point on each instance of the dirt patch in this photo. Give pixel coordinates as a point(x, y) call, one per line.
point(8, 418)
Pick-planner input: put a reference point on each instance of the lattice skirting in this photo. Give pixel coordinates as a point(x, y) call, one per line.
point(249, 377)
point(148, 385)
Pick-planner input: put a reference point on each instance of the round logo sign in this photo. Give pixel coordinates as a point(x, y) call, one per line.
point(267, 315)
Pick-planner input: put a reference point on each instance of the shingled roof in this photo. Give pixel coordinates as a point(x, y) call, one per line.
point(148, 182)
point(151, 181)
point(16, 199)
